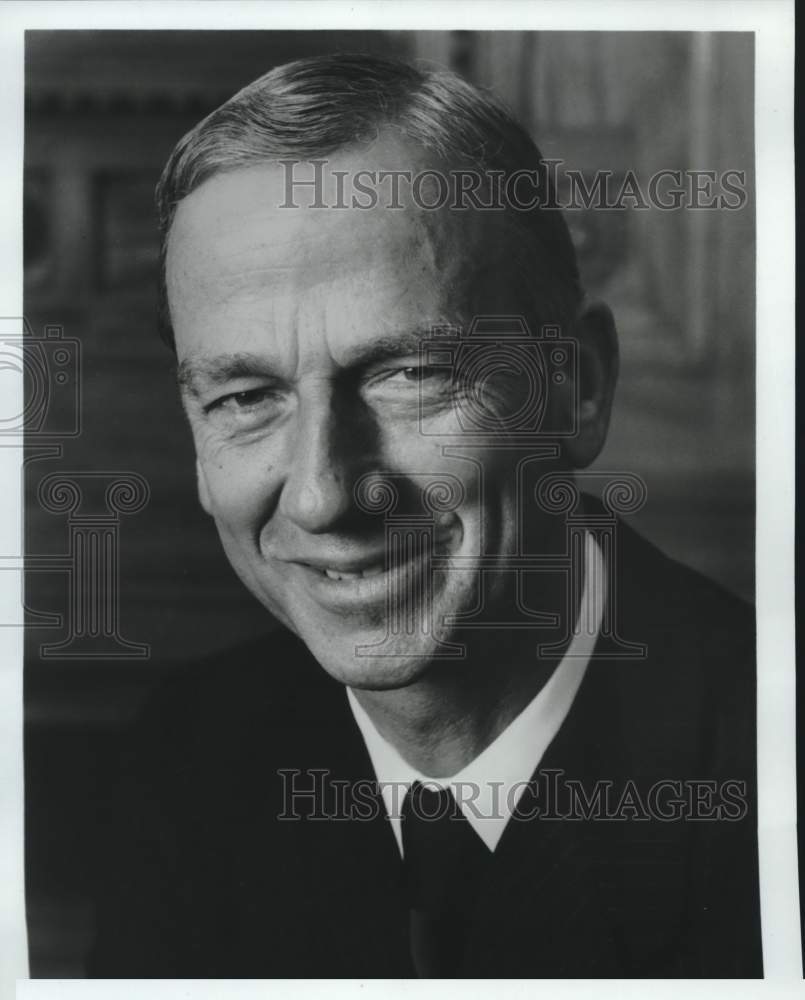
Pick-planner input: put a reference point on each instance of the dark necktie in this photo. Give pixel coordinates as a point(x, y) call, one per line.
point(444, 862)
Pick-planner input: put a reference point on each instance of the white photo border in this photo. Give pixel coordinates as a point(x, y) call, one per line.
point(772, 21)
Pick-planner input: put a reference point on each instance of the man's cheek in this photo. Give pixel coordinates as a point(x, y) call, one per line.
point(493, 489)
point(237, 490)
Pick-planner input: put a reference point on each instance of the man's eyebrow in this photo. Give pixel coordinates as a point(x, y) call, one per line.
point(386, 347)
point(194, 373)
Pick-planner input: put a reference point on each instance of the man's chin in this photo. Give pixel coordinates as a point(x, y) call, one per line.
point(395, 664)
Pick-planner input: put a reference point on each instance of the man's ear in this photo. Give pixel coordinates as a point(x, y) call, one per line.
point(203, 490)
point(597, 339)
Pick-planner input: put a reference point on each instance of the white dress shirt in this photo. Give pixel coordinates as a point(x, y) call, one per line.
point(489, 787)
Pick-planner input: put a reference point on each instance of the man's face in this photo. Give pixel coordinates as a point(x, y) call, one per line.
point(298, 334)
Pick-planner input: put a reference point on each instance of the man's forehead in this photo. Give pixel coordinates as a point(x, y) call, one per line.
point(240, 220)
point(238, 262)
point(233, 227)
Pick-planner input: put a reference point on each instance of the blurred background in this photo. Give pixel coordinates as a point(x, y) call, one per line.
point(103, 110)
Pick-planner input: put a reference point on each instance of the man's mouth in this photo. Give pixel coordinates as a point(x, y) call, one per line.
point(358, 582)
point(342, 574)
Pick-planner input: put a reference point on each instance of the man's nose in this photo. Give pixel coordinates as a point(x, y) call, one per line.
point(326, 456)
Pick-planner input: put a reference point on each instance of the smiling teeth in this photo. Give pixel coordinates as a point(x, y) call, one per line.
point(340, 574)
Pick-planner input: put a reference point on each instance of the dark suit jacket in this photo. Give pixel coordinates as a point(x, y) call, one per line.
point(201, 879)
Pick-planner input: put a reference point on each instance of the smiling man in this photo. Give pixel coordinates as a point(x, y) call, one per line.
point(408, 778)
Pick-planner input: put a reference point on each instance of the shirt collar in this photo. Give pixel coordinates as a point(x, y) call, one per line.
point(489, 787)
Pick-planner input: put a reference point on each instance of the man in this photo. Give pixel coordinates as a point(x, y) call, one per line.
point(498, 734)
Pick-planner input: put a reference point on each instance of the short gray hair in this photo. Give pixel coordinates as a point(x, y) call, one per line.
point(317, 106)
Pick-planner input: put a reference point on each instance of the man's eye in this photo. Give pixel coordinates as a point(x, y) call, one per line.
point(421, 373)
point(246, 404)
point(412, 386)
point(240, 400)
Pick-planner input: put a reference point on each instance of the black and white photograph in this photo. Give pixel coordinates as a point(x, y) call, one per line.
point(397, 578)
